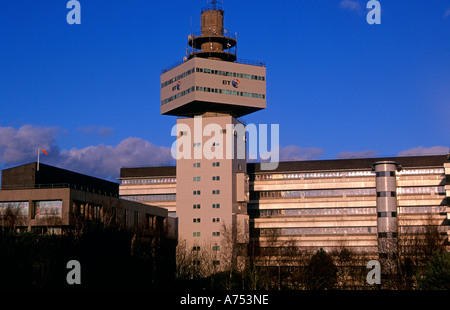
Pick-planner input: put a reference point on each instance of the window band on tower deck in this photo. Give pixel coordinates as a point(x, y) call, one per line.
point(213, 90)
point(216, 72)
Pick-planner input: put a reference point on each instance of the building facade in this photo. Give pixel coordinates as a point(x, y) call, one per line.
point(360, 204)
point(52, 200)
point(363, 205)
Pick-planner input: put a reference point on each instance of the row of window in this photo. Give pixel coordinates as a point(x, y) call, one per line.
point(386, 194)
point(387, 235)
point(212, 90)
point(40, 208)
point(422, 229)
point(385, 174)
point(313, 193)
point(198, 220)
point(19, 207)
point(214, 192)
point(259, 177)
point(44, 209)
point(88, 210)
point(344, 211)
point(215, 72)
point(317, 231)
point(316, 212)
point(95, 212)
point(336, 174)
point(229, 92)
point(160, 197)
point(347, 192)
point(179, 77)
point(183, 93)
point(149, 181)
point(295, 175)
point(214, 248)
point(422, 171)
point(222, 131)
point(214, 234)
point(281, 194)
point(198, 144)
point(387, 214)
point(421, 190)
point(214, 164)
point(423, 209)
point(231, 74)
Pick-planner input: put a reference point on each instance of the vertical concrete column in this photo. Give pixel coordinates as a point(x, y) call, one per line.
point(387, 223)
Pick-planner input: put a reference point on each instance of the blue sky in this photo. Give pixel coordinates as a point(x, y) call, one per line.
point(337, 86)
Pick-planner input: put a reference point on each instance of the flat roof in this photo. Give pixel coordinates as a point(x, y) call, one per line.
point(352, 163)
point(306, 165)
point(27, 176)
point(142, 172)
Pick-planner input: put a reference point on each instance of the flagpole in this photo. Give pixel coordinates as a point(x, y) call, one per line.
point(39, 150)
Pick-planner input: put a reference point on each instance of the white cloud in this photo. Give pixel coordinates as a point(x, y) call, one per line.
point(350, 5)
point(420, 151)
point(294, 152)
point(19, 146)
point(447, 13)
point(361, 154)
point(106, 160)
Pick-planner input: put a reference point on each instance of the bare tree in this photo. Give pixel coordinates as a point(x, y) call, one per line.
point(12, 217)
point(416, 246)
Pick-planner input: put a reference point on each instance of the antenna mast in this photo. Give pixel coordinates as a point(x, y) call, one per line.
point(215, 4)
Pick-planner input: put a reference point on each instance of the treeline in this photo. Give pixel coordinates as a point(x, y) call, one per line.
point(339, 270)
point(115, 258)
point(420, 261)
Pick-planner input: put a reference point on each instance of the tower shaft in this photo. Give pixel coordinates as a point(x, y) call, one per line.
point(209, 91)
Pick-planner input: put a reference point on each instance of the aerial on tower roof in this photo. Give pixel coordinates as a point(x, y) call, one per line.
point(214, 5)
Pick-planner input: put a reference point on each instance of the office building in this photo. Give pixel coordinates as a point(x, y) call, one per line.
point(53, 200)
point(361, 204)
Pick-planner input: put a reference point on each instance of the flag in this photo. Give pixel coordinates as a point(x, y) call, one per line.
point(39, 152)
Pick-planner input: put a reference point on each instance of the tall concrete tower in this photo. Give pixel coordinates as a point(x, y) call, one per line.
point(387, 221)
point(209, 91)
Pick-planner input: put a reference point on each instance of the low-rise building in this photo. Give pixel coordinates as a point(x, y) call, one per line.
point(43, 198)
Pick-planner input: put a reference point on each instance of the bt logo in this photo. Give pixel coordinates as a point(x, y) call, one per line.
point(177, 87)
point(235, 83)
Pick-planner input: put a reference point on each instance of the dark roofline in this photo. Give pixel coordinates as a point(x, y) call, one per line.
point(143, 172)
point(27, 175)
point(87, 176)
point(352, 163)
